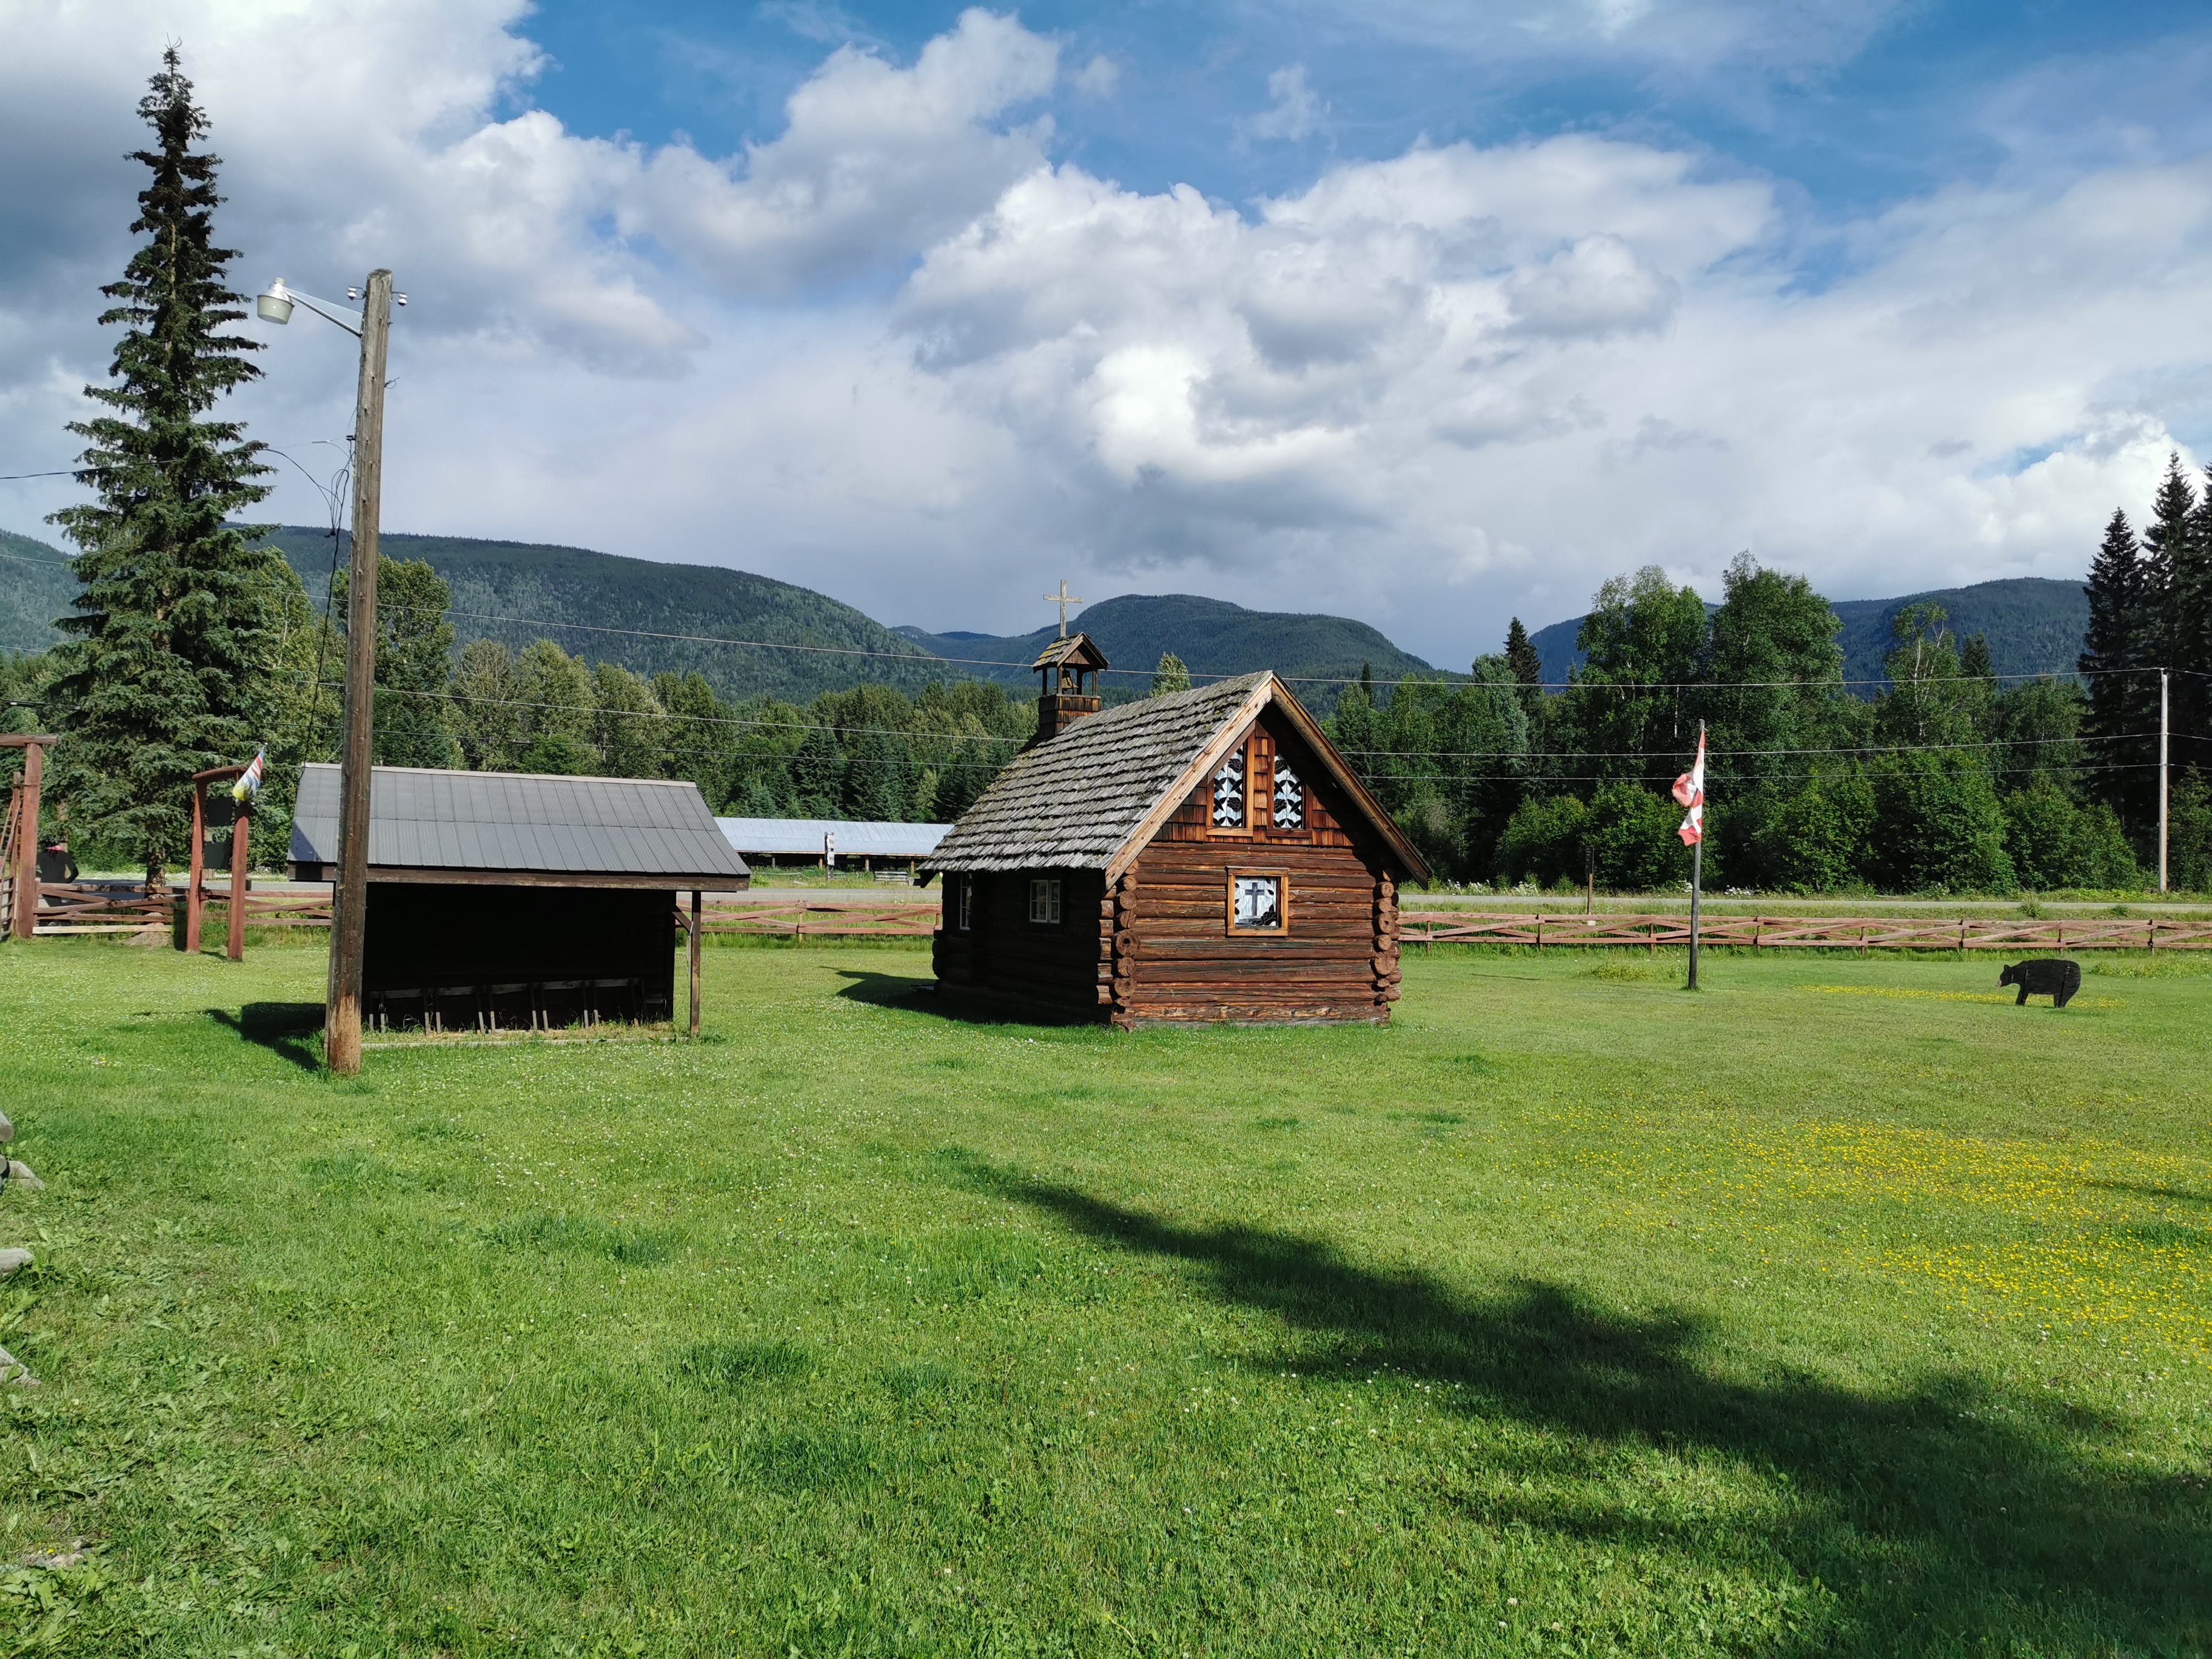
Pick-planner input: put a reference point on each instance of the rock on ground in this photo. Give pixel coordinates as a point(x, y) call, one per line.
point(11, 1260)
point(20, 1173)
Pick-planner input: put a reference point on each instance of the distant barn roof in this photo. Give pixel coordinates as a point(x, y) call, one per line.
point(859, 837)
point(1091, 798)
point(637, 831)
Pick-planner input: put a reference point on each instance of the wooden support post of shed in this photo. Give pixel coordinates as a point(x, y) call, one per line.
point(694, 931)
point(196, 871)
point(240, 827)
point(196, 888)
point(25, 920)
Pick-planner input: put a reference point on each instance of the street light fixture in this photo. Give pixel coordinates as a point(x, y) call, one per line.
point(274, 306)
point(372, 326)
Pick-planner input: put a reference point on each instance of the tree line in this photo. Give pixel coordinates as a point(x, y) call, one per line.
point(1945, 780)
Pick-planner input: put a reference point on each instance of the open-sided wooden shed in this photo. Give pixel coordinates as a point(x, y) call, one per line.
point(507, 900)
point(1204, 855)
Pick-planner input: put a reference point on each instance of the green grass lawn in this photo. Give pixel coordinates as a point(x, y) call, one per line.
point(1841, 1308)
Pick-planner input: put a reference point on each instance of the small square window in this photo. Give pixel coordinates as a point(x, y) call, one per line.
point(1044, 899)
point(1256, 904)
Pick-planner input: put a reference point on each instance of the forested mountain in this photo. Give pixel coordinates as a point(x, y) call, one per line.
point(35, 587)
point(565, 593)
point(2034, 625)
point(1212, 636)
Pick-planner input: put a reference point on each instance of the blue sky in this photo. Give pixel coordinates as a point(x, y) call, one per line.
point(1859, 106)
point(1428, 313)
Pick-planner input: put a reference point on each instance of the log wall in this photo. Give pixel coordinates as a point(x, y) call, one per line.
point(1005, 954)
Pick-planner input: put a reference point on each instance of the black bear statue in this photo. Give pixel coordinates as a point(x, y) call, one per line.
point(2051, 976)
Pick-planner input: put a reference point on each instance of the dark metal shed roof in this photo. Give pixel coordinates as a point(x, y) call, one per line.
point(423, 822)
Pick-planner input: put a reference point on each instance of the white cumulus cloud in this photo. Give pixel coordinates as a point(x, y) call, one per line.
point(1431, 389)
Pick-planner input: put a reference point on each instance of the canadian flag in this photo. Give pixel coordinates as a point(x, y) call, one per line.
point(1690, 790)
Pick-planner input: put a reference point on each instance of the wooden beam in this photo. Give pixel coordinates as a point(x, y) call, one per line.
point(694, 931)
point(701, 879)
point(197, 869)
point(28, 739)
point(26, 841)
point(239, 827)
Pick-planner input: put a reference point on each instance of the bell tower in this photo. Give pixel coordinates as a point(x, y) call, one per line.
point(1063, 697)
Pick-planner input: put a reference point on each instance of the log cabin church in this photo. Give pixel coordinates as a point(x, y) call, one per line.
point(1205, 855)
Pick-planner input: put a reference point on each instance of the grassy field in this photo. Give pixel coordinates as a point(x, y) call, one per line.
point(1840, 1308)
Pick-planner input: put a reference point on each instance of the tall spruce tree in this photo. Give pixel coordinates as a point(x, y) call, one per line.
point(2165, 553)
point(2157, 627)
point(2112, 649)
point(172, 644)
point(2162, 615)
point(2190, 637)
point(1526, 662)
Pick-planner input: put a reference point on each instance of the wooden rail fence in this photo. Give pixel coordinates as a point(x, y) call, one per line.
point(88, 908)
point(1861, 934)
point(821, 920)
point(79, 907)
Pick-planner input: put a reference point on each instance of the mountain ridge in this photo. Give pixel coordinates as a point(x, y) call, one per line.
point(2034, 625)
point(1213, 637)
point(517, 592)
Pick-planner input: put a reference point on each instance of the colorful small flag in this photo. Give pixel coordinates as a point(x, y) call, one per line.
point(249, 781)
point(1690, 791)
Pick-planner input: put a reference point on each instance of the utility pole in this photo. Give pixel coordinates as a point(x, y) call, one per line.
point(2163, 677)
point(350, 906)
point(1697, 894)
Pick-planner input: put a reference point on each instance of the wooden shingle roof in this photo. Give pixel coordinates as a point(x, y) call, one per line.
point(1091, 797)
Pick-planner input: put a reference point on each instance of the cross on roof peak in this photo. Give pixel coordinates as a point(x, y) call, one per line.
point(1063, 599)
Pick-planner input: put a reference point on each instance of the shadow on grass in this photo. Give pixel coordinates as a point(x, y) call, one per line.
point(2152, 1189)
point(1944, 1516)
point(924, 996)
point(288, 1029)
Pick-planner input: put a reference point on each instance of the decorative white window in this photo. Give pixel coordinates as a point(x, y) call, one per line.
point(1044, 899)
point(1290, 797)
point(964, 905)
point(1255, 904)
point(1229, 793)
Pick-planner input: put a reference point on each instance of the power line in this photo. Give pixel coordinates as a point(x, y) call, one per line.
point(1718, 753)
point(919, 656)
point(923, 657)
point(1748, 777)
point(1668, 758)
point(592, 711)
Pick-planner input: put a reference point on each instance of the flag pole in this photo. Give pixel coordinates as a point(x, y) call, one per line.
point(1696, 875)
